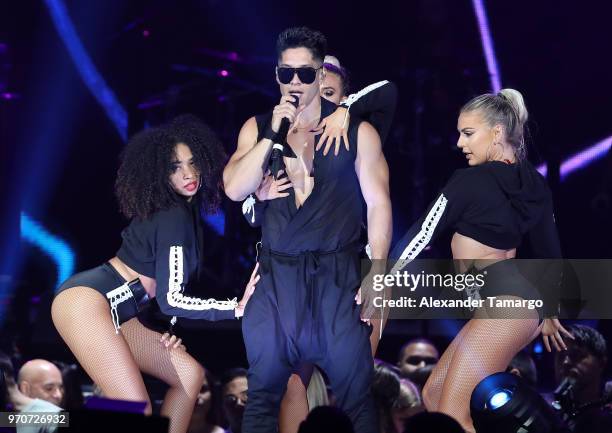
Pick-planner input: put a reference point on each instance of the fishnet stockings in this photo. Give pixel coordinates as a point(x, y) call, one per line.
point(113, 361)
point(484, 346)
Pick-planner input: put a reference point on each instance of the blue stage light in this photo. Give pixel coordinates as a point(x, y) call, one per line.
point(56, 248)
point(538, 348)
point(499, 398)
point(216, 222)
point(86, 68)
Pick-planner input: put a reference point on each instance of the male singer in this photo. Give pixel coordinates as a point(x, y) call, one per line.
point(303, 309)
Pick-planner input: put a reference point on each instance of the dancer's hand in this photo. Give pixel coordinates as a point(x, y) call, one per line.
point(248, 292)
point(551, 329)
point(269, 189)
point(172, 342)
point(365, 299)
point(334, 127)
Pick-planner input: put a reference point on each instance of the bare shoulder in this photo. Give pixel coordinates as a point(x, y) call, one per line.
point(249, 129)
point(247, 138)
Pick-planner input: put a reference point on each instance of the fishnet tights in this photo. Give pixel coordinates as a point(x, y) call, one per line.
point(114, 361)
point(484, 346)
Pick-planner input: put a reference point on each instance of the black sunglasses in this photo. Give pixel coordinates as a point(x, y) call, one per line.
point(306, 74)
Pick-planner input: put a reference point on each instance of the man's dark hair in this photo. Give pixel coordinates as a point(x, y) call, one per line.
point(296, 37)
point(7, 375)
point(414, 341)
point(232, 374)
point(326, 418)
point(590, 339)
point(524, 363)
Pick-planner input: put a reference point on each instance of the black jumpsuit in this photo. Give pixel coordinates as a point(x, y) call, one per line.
point(303, 309)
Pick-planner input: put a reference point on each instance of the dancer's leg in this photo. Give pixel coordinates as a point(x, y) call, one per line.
point(83, 319)
point(173, 366)
point(294, 406)
point(433, 387)
point(486, 348)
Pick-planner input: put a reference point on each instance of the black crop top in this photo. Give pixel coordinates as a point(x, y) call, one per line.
point(494, 203)
point(165, 247)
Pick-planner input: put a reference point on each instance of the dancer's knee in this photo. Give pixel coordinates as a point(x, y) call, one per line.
point(197, 377)
point(190, 376)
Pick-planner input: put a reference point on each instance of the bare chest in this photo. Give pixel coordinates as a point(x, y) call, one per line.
point(299, 169)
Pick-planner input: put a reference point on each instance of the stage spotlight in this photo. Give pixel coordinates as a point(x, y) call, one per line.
point(499, 398)
point(503, 403)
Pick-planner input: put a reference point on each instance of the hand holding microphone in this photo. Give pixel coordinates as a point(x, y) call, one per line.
point(285, 110)
point(283, 116)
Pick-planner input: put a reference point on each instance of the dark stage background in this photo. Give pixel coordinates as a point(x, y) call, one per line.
point(61, 142)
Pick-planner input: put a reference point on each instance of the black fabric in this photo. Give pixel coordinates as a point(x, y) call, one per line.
point(303, 309)
point(167, 247)
point(317, 226)
point(103, 279)
point(378, 108)
point(497, 204)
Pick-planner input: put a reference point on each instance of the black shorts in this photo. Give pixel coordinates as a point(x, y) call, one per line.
point(504, 278)
point(126, 300)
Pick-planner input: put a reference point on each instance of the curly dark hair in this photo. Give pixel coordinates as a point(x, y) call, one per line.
point(296, 37)
point(143, 179)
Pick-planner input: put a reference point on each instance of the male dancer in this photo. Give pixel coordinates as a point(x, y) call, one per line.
point(303, 309)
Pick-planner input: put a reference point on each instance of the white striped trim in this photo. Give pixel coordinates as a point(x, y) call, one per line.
point(355, 96)
point(423, 237)
point(175, 295)
point(248, 205)
point(116, 297)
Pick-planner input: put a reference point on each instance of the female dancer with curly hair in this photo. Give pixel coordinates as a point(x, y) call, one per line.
point(166, 177)
point(490, 207)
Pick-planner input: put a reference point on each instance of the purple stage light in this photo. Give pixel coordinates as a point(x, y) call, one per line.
point(8, 96)
point(146, 33)
point(581, 159)
point(585, 157)
point(223, 73)
point(487, 45)
point(152, 103)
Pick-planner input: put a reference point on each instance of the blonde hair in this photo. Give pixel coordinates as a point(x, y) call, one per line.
point(506, 108)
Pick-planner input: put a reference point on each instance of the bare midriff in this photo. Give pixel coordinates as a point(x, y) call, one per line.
point(469, 252)
point(129, 274)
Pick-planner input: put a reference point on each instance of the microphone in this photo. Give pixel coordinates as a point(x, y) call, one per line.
point(279, 142)
point(564, 394)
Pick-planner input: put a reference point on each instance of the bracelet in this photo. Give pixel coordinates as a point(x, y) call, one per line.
point(269, 133)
